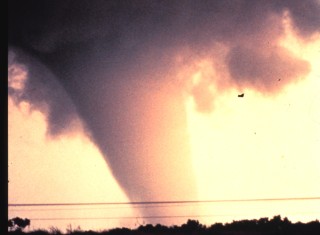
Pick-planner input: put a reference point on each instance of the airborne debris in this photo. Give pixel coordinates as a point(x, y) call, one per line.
point(241, 95)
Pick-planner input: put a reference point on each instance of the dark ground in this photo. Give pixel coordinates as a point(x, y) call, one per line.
point(263, 226)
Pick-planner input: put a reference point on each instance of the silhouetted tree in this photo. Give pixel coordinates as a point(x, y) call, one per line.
point(10, 224)
point(263, 226)
point(18, 224)
point(192, 226)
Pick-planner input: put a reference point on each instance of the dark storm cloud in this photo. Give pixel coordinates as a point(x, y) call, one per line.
point(116, 62)
point(263, 69)
point(304, 14)
point(43, 92)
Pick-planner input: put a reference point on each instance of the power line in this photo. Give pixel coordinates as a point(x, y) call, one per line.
point(104, 208)
point(151, 217)
point(165, 202)
point(127, 217)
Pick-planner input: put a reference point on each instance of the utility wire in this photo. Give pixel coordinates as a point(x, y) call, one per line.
point(106, 208)
point(152, 217)
point(165, 202)
point(126, 217)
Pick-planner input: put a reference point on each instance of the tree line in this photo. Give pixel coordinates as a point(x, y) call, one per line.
point(263, 226)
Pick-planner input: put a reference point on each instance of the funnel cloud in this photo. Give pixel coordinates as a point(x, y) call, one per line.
point(116, 66)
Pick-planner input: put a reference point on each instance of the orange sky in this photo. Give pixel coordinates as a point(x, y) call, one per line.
point(251, 147)
point(262, 147)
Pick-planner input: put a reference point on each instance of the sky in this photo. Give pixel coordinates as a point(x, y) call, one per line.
point(139, 101)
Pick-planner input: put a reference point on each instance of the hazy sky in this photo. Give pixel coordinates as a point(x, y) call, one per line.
point(138, 101)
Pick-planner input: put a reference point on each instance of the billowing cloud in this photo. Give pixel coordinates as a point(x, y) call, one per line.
point(40, 88)
point(115, 61)
point(265, 71)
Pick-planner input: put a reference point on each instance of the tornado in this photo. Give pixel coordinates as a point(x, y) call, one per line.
point(116, 66)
